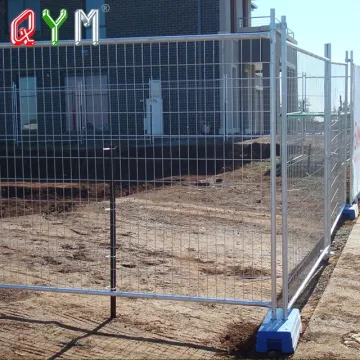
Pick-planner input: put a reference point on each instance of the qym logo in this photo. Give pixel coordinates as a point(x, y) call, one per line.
point(24, 36)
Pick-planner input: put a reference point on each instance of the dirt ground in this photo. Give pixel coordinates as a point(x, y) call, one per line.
point(201, 237)
point(333, 330)
point(44, 325)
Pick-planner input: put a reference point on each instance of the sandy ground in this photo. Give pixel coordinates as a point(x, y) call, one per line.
point(333, 331)
point(51, 326)
point(207, 238)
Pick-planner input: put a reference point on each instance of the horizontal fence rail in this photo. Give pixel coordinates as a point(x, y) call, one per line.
point(149, 40)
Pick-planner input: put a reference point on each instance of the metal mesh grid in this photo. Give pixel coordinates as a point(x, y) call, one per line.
point(316, 185)
point(83, 93)
point(305, 168)
point(179, 133)
point(355, 86)
point(193, 193)
point(338, 143)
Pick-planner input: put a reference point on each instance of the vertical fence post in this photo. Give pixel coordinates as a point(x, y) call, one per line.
point(112, 240)
point(303, 109)
point(327, 130)
point(306, 109)
point(111, 152)
point(284, 161)
point(352, 127)
point(273, 117)
point(226, 106)
point(281, 329)
point(346, 129)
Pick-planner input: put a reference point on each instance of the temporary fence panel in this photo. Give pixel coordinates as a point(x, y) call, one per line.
point(338, 196)
point(195, 207)
point(313, 163)
point(164, 167)
point(305, 165)
point(355, 148)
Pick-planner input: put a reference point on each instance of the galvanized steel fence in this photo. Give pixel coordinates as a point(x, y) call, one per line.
point(196, 168)
point(131, 159)
point(314, 166)
point(354, 113)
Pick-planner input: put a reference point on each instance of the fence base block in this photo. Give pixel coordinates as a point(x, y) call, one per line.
point(352, 212)
point(279, 335)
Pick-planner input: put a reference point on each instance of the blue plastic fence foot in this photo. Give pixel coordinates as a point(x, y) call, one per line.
point(351, 211)
point(279, 335)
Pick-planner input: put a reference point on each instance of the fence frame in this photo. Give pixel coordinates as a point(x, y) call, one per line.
point(112, 292)
point(328, 227)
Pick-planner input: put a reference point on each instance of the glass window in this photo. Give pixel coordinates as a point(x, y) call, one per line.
point(15, 7)
point(96, 4)
point(28, 103)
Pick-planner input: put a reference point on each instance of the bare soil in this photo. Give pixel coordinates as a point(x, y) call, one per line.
point(197, 236)
point(332, 332)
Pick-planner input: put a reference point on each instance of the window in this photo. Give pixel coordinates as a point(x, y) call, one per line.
point(87, 104)
point(259, 111)
point(28, 103)
point(96, 4)
point(15, 7)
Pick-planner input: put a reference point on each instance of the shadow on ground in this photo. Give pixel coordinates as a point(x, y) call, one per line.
point(97, 331)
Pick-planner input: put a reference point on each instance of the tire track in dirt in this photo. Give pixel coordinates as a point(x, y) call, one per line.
point(247, 217)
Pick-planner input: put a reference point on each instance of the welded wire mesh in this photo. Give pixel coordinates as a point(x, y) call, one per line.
point(190, 127)
point(305, 167)
point(355, 136)
point(338, 175)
